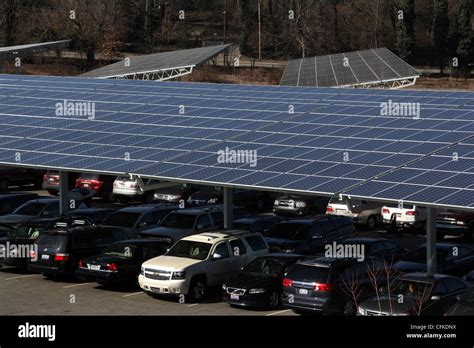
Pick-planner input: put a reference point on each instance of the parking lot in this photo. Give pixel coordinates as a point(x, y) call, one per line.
point(22, 293)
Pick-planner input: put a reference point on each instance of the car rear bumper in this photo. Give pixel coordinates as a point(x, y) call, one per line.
point(47, 269)
point(104, 276)
point(289, 211)
point(256, 300)
point(454, 230)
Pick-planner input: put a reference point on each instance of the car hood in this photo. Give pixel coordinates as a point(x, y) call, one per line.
point(162, 231)
point(170, 263)
point(14, 218)
point(249, 280)
point(386, 306)
point(408, 266)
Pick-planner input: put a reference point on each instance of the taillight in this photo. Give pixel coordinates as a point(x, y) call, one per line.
point(329, 209)
point(61, 257)
point(386, 211)
point(287, 282)
point(322, 287)
point(134, 185)
point(33, 254)
point(80, 263)
point(45, 177)
point(112, 267)
point(411, 213)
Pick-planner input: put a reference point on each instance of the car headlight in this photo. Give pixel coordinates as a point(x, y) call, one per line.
point(276, 202)
point(300, 204)
point(361, 311)
point(289, 250)
point(173, 197)
point(462, 223)
point(256, 291)
point(224, 287)
point(212, 200)
point(178, 275)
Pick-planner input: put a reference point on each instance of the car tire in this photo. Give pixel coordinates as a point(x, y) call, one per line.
point(4, 185)
point(371, 222)
point(274, 300)
point(197, 289)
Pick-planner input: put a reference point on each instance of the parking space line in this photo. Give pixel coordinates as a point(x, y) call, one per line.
point(74, 285)
point(279, 312)
point(133, 294)
point(22, 276)
point(192, 305)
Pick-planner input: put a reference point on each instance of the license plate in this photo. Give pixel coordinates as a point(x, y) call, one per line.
point(94, 267)
point(303, 292)
point(234, 297)
point(85, 185)
point(44, 257)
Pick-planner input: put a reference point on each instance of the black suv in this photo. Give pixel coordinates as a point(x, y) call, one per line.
point(262, 224)
point(329, 285)
point(10, 176)
point(309, 236)
point(60, 251)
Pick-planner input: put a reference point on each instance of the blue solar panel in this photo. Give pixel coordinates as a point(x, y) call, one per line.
point(335, 142)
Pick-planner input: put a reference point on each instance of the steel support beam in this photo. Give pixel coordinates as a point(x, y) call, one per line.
point(431, 241)
point(228, 208)
point(63, 193)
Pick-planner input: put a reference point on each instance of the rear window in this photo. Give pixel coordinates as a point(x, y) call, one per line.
point(51, 241)
point(30, 209)
point(88, 176)
point(309, 273)
point(122, 219)
point(124, 179)
point(291, 231)
point(405, 206)
point(256, 243)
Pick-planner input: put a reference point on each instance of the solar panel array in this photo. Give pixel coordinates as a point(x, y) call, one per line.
point(15, 51)
point(307, 140)
point(158, 61)
point(347, 69)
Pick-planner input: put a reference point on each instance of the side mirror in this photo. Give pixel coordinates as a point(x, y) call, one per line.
point(216, 256)
point(317, 236)
point(435, 298)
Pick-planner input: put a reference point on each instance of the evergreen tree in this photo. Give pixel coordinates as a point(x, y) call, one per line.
point(404, 32)
point(465, 47)
point(440, 30)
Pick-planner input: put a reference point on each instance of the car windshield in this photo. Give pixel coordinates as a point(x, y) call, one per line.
point(27, 231)
point(268, 266)
point(290, 231)
point(122, 219)
point(121, 250)
point(87, 176)
point(190, 249)
point(242, 226)
point(467, 297)
point(179, 220)
point(408, 288)
point(31, 209)
point(419, 255)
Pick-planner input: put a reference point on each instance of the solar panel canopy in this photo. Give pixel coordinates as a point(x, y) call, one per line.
point(350, 69)
point(15, 51)
point(158, 61)
point(320, 141)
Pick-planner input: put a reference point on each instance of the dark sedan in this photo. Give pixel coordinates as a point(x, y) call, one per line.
point(120, 264)
point(453, 259)
point(378, 247)
point(416, 294)
point(260, 282)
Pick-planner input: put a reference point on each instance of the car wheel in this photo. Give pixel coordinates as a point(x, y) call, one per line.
point(348, 309)
point(274, 300)
point(4, 185)
point(371, 222)
point(197, 289)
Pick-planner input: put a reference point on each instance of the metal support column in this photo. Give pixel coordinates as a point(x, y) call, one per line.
point(63, 193)
point(228, 208)
point(431, 241)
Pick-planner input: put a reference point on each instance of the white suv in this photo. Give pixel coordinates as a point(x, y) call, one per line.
point(360, 211)
point(404, 216)
point(196, 262)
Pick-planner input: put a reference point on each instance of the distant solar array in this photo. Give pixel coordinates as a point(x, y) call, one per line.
point(307, 140)
point(374, 67)
point(22, 50)
point(159, 66)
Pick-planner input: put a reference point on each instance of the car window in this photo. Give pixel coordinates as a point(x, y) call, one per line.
point(104, 237)
point(327, 226)
point(238, 247)
point(51, 210)
point(120, 235)
point(462, 251)
point(204, 222)
point(256, 227)
point(147, 220)
point(355, 271)
point(84, 240)
point(256, 242)
point(377, 247)
point(390, 245)
point(158, 216)
point(218, 217)
point(222, 250)
point(454, 285)
point(151, 251)
point(268, 226)
point(439, 289)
